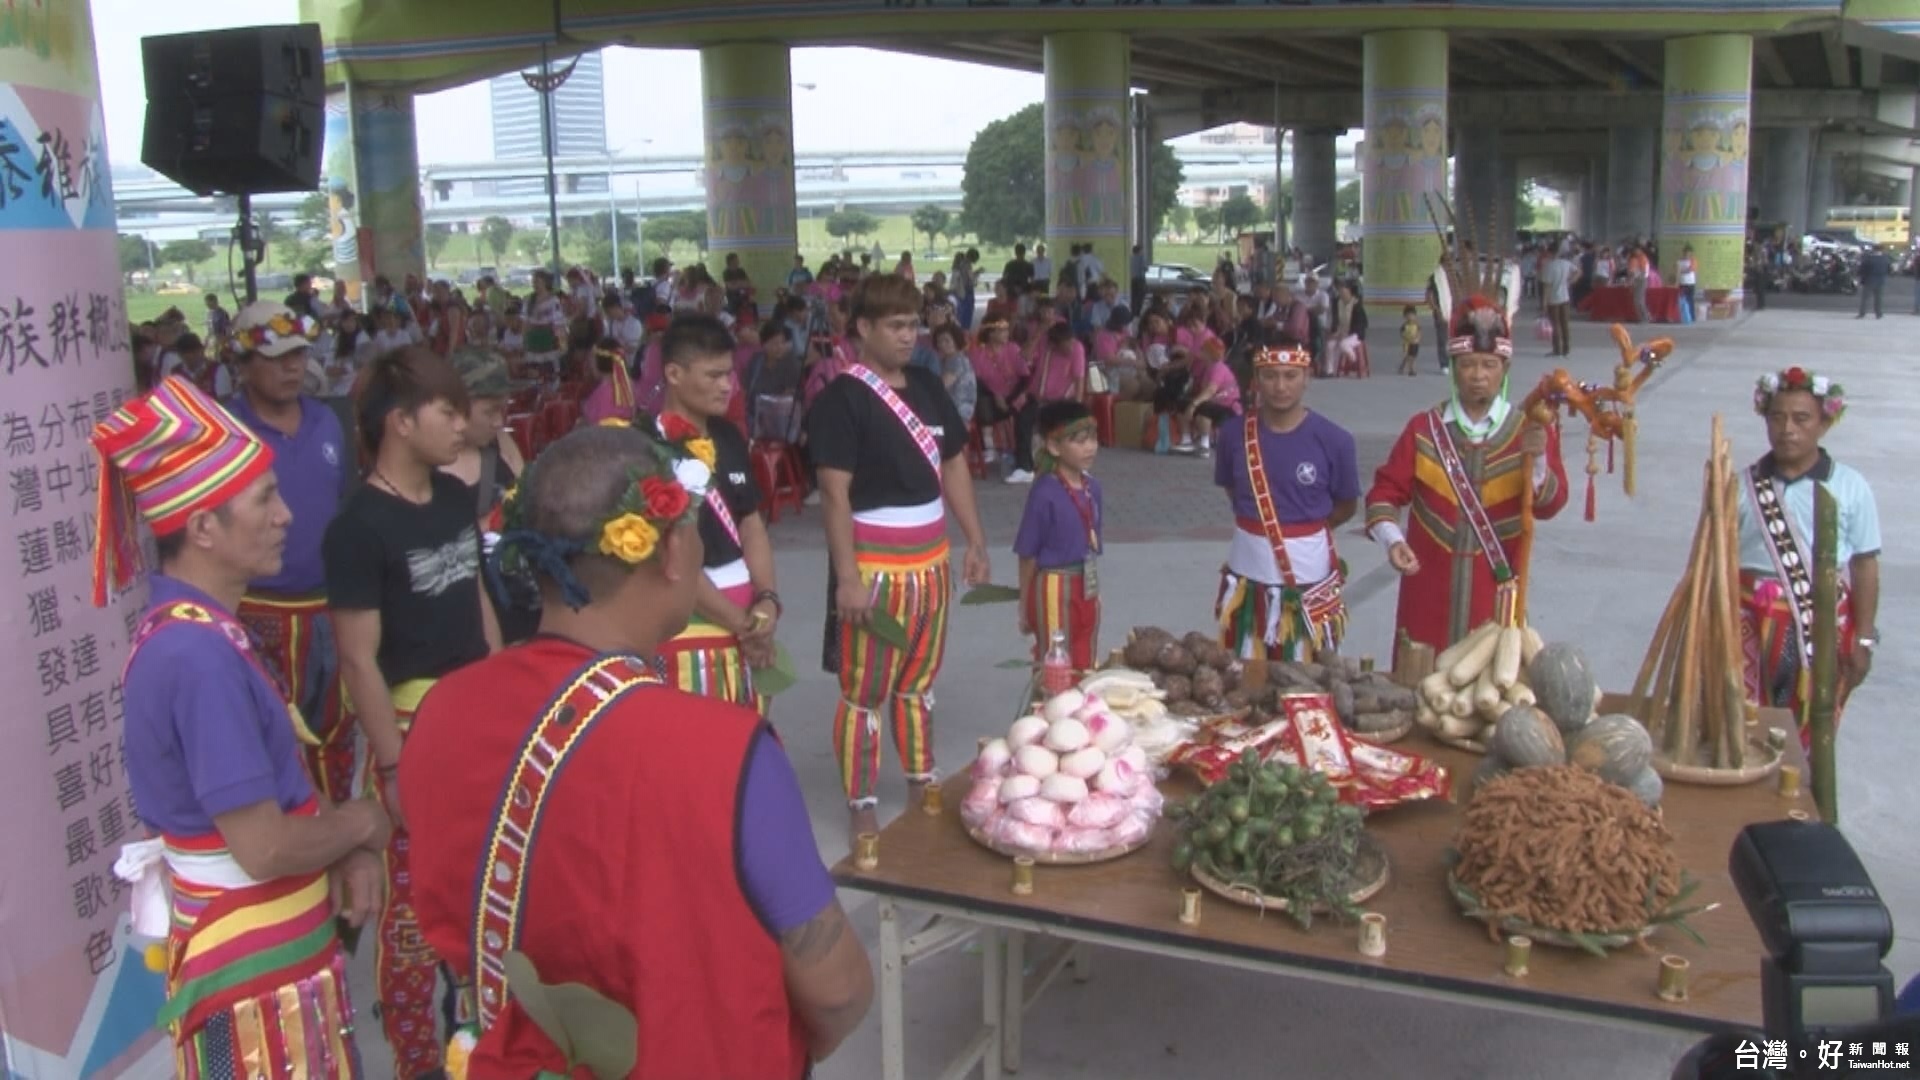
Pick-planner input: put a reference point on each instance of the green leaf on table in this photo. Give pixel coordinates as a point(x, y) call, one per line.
point(887, 629)
point(778, 677)
point(586, 1026)
point(990, 594)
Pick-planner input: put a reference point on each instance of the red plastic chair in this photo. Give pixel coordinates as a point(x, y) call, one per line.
point(554, 420)
point(1101, 405)
point(520, 426)
point(1357, 365)
point(976, 451)
point(777, 472)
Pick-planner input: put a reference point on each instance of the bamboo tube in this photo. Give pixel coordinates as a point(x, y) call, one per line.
point(1826, 653)
point(1714, 706)
point(1686, 698)
point(1661, 707)
point(1734, 667)
point(1661, 631)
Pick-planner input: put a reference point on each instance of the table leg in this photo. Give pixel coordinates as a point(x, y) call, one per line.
point(1082, 962)
point(992, 989)
point(1013, 1001)
point(893, 1035)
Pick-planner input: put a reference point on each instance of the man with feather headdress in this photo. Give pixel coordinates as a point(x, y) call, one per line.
point(1461, 467)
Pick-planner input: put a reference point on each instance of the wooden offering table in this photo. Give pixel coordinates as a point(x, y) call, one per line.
point(927, 862)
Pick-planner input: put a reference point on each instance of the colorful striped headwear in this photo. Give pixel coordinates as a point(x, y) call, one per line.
point(163, 457)
point(622, 382)
point(1282, 356)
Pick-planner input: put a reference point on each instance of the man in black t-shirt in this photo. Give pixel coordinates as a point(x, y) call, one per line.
point(888, 445)
point(737, 608)
point(1018, 273)
point(404, 589)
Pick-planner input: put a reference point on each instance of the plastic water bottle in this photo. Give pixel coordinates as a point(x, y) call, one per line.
point(1056, 670)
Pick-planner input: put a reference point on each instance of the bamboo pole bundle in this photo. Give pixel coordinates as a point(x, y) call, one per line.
point(1689, 691)
point(1826, 653)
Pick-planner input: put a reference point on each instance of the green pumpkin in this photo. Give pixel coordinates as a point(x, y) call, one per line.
point(1616, 747)
point(1563, 686)
point(1525, 736)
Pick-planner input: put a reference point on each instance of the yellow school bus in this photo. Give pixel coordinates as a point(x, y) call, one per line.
point(1877, 225)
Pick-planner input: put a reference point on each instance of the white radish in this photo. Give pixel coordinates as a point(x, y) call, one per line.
point(1456, 727)
point(1026, 731)
point(1018, 787)
point(1062, 705)
point(1486, 695)
point(1061, 788)
point(1426, 717)
point(1460, 705)
point(1520, 694)
point(1067, 735)
point(1506, 657)
point(1530, 643)
point(1474, 660)
point(1084, 763)
point(1036, 761)
point(1452, 654)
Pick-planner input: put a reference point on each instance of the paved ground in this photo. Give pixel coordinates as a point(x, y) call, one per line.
point(1600, 584)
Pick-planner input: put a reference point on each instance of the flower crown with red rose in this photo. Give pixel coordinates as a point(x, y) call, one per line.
point(1831, 395)
point(277, 329)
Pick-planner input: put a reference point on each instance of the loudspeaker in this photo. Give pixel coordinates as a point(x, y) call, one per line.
point(236, 111)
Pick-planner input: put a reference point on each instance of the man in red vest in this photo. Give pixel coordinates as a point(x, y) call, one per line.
point(648, 844)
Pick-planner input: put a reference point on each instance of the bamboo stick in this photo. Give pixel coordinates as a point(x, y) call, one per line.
point(1715, 707)
point(1735, 657)
point(1655, 649)
point(1660, 710)
point(1826, 653)
point(1686, 694)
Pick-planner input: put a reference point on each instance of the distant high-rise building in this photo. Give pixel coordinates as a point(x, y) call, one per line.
point(579, 124)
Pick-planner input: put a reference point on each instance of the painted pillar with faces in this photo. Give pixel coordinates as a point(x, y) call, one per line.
point(1088, 156)
point(1705, 133)
point(77, 996)
point(1405, 162)
point(749, 160)
point(372, 180)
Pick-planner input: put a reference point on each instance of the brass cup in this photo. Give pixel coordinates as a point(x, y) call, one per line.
point(1789, 781)
point(931, 801)
point(866, 851)
point(1022, 876)
point(1373, 934)
point(1519, 951)
point(1777, 738)
point(1673, 978)
point(1190, 907)
point(1799, 815)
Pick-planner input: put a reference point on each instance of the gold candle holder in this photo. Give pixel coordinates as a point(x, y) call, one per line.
point(1777, 738)
point(1673, 978)
point(931, 801)
point(1190, 907)
point(1022, 876)
point(1519, 951)
point(1789, 781)
point(1373, 934)
point(1799, 815)
point(866, 851)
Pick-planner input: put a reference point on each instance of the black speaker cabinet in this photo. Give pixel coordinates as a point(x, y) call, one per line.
point(236, 111)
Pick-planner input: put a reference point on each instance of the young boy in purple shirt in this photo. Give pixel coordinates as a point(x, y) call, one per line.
point(1059, 538)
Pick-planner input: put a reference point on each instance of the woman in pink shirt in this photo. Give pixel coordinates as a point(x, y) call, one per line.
point(612, 395)
point(1191, 332)
point(1213, 397)
point(1000, 368)
point(1059, 367)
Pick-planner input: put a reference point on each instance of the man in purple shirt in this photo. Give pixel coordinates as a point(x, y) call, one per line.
point(1290, 487)
point(256, 865)
point(287, 611)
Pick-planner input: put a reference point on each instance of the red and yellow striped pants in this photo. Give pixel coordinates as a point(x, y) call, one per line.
point(295, 638)
point(1059, 601)
point(911, 581)
point(705, 659)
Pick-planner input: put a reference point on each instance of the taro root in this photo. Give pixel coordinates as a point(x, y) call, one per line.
point(1176, 658)
point(1179, 688)
point(1343, 703)
point(1212, 703)
point(1141, 652)
point(1154, 634)
point(1290, 675)
point(1196, 641)
point(1208, 683)
point(1239, 699)
point(1214, 655)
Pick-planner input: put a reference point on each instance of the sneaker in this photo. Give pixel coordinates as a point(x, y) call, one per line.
point(1184, 446)
point(990, 456)
point(1019, 476)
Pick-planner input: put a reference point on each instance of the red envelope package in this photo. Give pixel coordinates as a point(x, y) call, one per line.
point(1308, 734)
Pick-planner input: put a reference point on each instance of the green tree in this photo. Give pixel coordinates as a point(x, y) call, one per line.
point(312, 215)
point(1525, 210)
point(932, 220)
point(1179, 217)
point(678, 227)
point(1207, 220)
point(1238, 212)
point(136, 254)
point(498, 233)
point(1346, 202)
point(597, 228)
point(532, 246)
point(187, 254)
point(852, 224)
point(438, 235)
point(1004, 187)
point(273, 237)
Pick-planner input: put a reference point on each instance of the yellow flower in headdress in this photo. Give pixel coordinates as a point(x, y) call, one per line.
point(615, 421)
point(629, 538)
point(702, 449)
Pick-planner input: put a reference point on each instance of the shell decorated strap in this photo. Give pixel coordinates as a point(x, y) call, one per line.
point(1789, 563)
point(1263, 501)
point(237, 635)
point(718, 504)
point(1467, 496)
point(501, 885)
point(917, 428)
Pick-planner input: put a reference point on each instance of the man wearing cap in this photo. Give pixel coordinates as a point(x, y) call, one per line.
point(254, 863)
point(490, 464)
point(1292, 478)
point(403, 583)
point(287, 611)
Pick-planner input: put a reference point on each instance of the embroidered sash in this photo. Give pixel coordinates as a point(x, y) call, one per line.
point(1789, 564)
point(1320, 602)
point(1467, 495)
point(237, 635)
point(501, 884)
point(917, 428)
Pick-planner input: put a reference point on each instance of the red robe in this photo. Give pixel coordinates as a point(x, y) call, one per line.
point(1454, 590)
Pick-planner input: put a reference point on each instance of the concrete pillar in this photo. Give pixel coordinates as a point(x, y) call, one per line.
point(1314, 186)
point(1825, 193)
point(1703, 173)
point(1787, 178)
point(1089, 172)
point(78, 998)
point(371, 174)
point(1630, 180)
point(1507, 186)
point(1913, 206)
point(1576, 207)
point(1476, 186)
point(1593, 222)
point(1405, 81)
point(747, 104)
